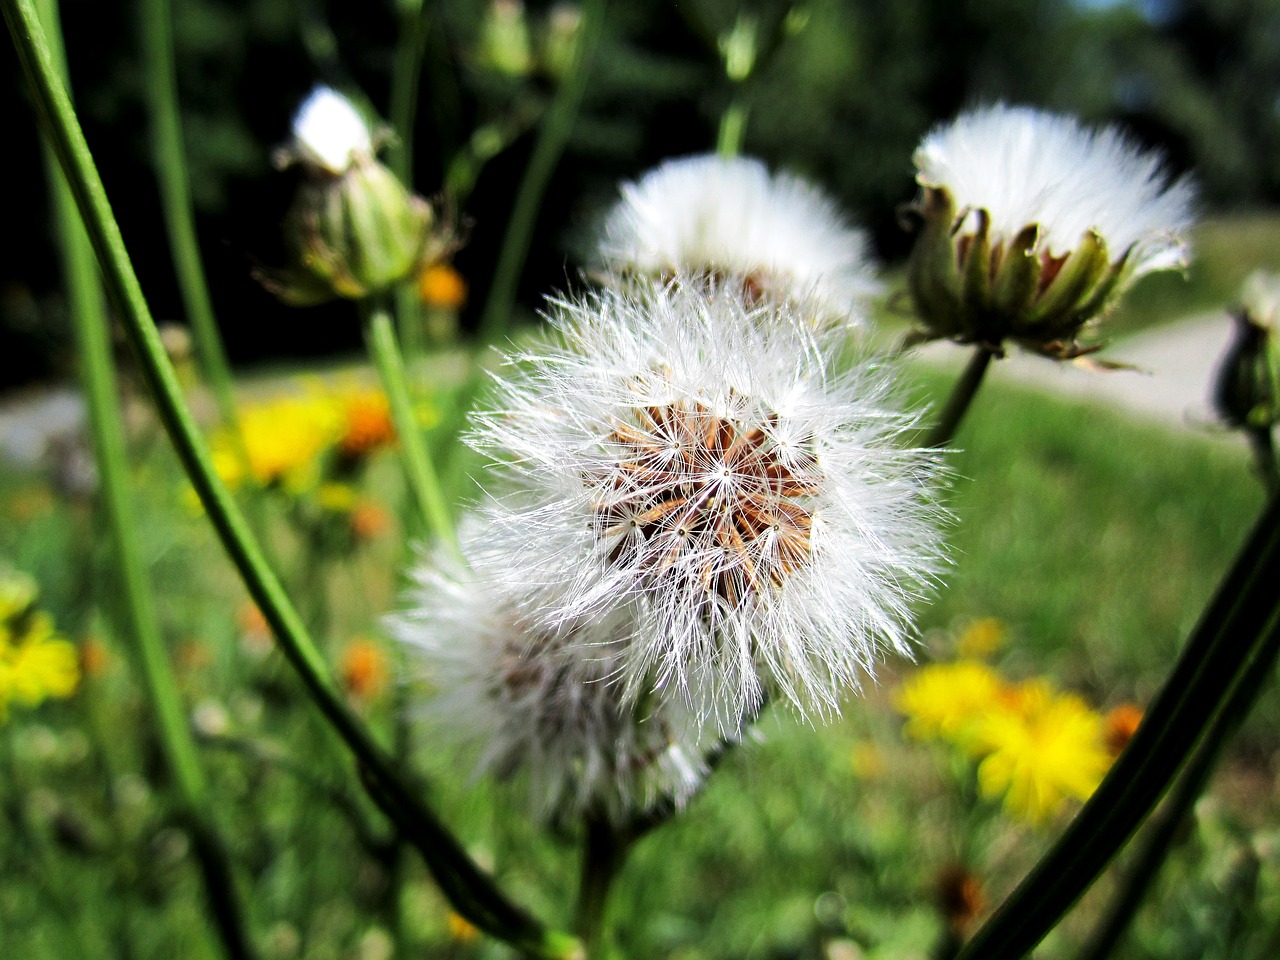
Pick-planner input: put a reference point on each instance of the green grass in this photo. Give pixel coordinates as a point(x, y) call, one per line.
point(1095, 538)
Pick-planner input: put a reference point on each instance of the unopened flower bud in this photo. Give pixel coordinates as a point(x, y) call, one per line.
point(353, 229)
point(1032, 225)
point(560, 40)
point(1247, 391)
point(505, 45)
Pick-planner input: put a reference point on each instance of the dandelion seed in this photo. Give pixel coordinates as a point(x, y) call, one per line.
point(696, 459)
point(778, 235)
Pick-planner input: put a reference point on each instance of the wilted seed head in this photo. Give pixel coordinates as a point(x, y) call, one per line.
point(1032, 225)
point(693, 459)
point(731, 221)
point(539, 702)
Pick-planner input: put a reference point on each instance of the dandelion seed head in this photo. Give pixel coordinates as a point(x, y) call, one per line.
point(1025, 166)
point(539, 703)
point(779, 235)
point(692, 458)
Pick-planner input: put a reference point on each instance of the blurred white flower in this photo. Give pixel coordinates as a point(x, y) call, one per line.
point(1024, 166)
point(329, 133)
point(782, 236)
point(539, 701)
point(1260, 297)
point(697, 461)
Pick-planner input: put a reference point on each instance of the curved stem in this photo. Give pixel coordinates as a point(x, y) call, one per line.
point(1227, 637)
point(473, 891)
point(1155, 848)
point(423, 482)
point(554, 135)
point(137, 605)
point(962, 395)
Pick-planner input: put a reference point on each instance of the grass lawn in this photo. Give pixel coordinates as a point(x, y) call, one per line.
point(1095, 539)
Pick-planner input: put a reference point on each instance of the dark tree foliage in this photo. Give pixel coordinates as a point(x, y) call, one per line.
point(845, 98)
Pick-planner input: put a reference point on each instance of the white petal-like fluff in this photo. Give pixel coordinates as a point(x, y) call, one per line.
point(698, 461)
point(1025, 166)
point(329, 133)
point(708, 214)
point(540, 703)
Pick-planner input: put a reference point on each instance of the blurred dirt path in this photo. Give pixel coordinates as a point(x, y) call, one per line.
point(1175, 368)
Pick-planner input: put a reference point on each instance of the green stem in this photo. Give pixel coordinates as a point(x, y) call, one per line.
point(603, 853)
point(1264, 457)
point(1245, 603)
point(733, 128)
point(962, 395)
point(554, 135)
point(473, 891)
point(171, 171)
point(1165, 827)
point(137, 605)
point(381, 340)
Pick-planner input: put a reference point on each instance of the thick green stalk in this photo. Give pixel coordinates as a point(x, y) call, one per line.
point(93, 333)
point(962, 395)
point(556, 127)
point(1245, 604)
point(1167, 823)
point(464, 883)
point(170, 161)
point(603, 852)
point(733, 128)
point(381, 340)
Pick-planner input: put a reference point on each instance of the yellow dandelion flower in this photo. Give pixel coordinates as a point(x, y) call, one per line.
point(981, 638)
point(1044, 748)
point(36, 665)
point(945, 701)
point(284, 439)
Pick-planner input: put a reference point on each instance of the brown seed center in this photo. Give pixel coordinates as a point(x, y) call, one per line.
point(700, 496)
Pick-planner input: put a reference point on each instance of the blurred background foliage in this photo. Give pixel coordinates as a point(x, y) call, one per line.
point(845, 98)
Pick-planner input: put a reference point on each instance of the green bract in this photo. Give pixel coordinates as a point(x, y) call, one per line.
point(973, 288)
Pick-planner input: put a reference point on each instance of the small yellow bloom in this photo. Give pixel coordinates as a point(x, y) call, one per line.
point(981, 638)
point(367, 423)
point(36, 665)
point(944, 701)
point(284, 439)
point(1122, 724)
point(442, 287)
point(1043, 749)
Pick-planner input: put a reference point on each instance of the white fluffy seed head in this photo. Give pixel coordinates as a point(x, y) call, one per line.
point(780, 235)
point(329, 133)
point(696, 461)
point(539, 703)
point(1024, 166)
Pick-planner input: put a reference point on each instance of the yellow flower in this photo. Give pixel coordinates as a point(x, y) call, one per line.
point(36, 665)
point(363, 669)
point(1042, 749)
point(336, 497)
point(945, 701)
point(284, 439)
